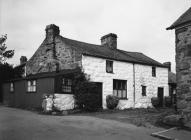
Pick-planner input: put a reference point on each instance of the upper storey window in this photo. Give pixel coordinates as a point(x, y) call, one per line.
point(153, 71)
point(109, 66)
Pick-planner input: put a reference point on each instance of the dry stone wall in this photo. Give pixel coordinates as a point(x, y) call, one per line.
point(183, 67)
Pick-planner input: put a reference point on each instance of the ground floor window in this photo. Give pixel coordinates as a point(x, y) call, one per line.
point(12, 88)
point(143, 90)
point(120, 88)
point(66, 85)
point(31, 86)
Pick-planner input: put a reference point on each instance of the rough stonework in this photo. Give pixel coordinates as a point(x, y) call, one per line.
point(95, 67)
point(183, 67)
point(182, 28)
point(58, 53)
point(53, 55)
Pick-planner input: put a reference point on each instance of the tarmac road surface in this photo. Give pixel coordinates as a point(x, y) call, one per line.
point(17, 124)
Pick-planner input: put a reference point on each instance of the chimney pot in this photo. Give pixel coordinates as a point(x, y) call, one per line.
point(52, 30)
point(109, 40)
point(168, 64)
point(23, 60)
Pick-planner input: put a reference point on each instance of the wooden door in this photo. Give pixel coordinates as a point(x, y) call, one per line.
point(161, 96)
point(99, 93)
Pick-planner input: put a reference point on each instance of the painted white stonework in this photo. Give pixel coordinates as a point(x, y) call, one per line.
point(96, 69)
point(143, 76)
point(63, 101)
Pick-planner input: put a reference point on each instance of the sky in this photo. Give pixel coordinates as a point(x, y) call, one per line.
point(139, 24)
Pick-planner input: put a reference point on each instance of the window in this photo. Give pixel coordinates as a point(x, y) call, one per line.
point(31, 86)
point(109, 66)
point(143, 90)
point(12, 87)
point(66, 85)
point(154, 71)
point(120, 88)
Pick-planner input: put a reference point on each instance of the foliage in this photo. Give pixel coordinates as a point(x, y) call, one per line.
point(168, 101)
point(4, 54)
point(112, 101)
point(85, 95)
point(6, 72)
point(155, 101)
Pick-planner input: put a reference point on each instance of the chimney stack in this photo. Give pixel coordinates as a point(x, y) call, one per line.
point(52, 30)
point(23, 60)
point(168, 64)
point(109, 40)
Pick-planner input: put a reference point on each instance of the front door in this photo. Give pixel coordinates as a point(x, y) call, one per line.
point(160, 96)
point(99, 93)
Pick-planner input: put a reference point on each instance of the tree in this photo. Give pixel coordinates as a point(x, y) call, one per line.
point(85, 93)
point(6, 70)
point(4, 54)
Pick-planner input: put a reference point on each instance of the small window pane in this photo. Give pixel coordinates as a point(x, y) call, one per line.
point(143, 90)
point(115, 92)
point(31, 86)
point(109, 66)
point(120, 88)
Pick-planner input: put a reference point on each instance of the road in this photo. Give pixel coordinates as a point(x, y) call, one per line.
point(17, 124)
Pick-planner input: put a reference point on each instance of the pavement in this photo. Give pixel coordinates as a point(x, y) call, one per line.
point(17, 124)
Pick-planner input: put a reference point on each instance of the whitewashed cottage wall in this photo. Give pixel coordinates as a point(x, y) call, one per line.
point(96, 69)
point(143, 76)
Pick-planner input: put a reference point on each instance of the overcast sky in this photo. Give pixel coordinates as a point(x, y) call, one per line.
point(139, 24)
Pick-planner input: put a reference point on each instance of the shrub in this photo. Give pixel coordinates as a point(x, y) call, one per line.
point(112, 101)
point(155, 101)
point(168, 101)
point(85, 93)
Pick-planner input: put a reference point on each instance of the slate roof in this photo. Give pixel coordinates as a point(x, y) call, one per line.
point(108, 53)
point(183, 19)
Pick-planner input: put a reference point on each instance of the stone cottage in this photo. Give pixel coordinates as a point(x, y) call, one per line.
point(182, 28)
point(132, 76)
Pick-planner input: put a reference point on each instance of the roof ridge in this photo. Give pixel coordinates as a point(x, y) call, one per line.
point(80, 41)
point(129, 55)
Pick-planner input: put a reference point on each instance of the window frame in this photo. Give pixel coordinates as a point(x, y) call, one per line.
point(32, 88)
point(144, 90)
point(153, 71)
point(109, 64)
point(12, 88)
point(120, 86)
point(66, 87)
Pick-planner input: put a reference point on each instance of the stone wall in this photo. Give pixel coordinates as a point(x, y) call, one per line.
point(52, 56)
point(183, 67)
point(96, 68)
point(143, 77)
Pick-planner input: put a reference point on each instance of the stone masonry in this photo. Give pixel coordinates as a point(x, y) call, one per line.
point(182, 28)
point(183, 68)
point(53, 54)
point(95, 67)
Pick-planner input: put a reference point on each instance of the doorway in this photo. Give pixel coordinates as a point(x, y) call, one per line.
point(161, 96)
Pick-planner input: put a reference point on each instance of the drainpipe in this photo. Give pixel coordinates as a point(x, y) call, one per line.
point(134, 85)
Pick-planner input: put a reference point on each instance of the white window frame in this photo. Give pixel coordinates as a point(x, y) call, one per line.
point(12, 87)
point(31, 86)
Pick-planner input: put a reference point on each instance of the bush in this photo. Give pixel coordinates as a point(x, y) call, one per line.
point(155, 101)
point(112, 101)
point(168, 101)
point(85, 93)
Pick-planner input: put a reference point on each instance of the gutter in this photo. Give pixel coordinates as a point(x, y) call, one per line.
point(134, 85)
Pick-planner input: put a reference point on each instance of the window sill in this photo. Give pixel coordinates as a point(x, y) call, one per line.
point(124, 99)
point(110, 72)
point(31, 92)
